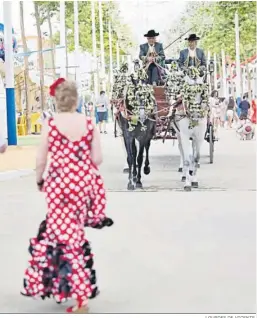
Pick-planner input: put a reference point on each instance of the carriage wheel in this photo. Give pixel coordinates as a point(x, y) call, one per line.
point(211, 143)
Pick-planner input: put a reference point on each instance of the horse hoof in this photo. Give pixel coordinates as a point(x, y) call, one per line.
point(139, 185)
point(147, 170)
point(131, 187)
point(183, 179)
point(198, 165)
point(180, 169)
point(194, 184)
point(126, 170)
point(187, 188)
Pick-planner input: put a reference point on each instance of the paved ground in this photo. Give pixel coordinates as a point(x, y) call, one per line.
point(169, 251)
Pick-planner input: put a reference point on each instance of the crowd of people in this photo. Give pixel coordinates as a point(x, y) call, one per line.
point(231, 113)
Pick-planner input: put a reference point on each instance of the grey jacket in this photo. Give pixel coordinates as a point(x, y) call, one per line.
point(160, 59)
point(184, 58)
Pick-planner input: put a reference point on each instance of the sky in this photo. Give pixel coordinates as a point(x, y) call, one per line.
point(141, 15)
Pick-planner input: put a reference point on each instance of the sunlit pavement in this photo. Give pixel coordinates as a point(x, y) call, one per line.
point(168, 251)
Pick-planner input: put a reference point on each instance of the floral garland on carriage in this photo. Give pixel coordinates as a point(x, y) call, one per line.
point(137, 95)
point(189, 84)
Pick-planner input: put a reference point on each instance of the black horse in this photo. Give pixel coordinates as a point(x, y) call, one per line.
point(142, 131)
point(135, 157)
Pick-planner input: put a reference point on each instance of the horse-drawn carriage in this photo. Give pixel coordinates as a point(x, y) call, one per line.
point(165, 112)
point(176, 110)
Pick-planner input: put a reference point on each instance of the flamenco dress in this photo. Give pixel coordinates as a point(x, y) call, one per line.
point(61, 264)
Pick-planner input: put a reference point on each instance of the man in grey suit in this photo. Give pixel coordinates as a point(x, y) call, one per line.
point(192, 56)
point(152, 54)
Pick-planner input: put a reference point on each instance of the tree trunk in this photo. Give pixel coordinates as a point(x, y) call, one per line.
point(66, 54)
point(40, 57)
point(26, 70)
point(51, 43)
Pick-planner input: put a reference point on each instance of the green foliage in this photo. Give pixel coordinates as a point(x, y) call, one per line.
point(109, 11)
point(45, 6)
point(215, 23)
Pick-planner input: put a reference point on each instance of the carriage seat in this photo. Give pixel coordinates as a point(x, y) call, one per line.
point(169, 61)
point(161, 101)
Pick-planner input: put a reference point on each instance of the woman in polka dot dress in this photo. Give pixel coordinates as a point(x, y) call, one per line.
point(61, 264)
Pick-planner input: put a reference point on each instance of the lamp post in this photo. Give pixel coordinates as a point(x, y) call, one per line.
point(76, 41)
point(211, 69)
point(238, 67)
point(95, 61)
point(63, 70)
point(224, 74)
point(9, 74)
point(215, 72)
point(118, 55)
point(110, 46)
point(102, 44)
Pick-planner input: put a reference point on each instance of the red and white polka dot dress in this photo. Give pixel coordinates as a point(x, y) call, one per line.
point(62, 262)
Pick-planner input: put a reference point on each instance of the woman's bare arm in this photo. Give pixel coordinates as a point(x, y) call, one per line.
point(3, 144)
point(96, 150)
point(42, 153)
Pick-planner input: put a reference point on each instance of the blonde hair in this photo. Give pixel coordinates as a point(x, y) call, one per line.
point(66, 96)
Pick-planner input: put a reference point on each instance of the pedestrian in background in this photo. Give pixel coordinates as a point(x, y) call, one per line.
point(215, 111)
point(230, 111)
point(244, 107)
point(223, 109)
point(102, 105)
point(90, 110)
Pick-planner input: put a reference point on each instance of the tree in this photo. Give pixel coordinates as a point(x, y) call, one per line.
point(26, 69)
point(110, 10)
point(40, 56)
point(214, 21)
point(48, 9)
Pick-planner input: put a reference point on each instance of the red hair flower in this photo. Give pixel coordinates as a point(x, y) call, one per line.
point(55, 85)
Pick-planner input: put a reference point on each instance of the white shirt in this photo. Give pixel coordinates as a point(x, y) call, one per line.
point(192, 53)
point(102, 104)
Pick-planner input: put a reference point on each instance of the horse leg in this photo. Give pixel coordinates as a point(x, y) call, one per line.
point(140, 162)
point(134, 153)
point(181, 164)
point(194, 152)
point(128, 144)
point(197, 141)
point(186, 144)
point(147, 169)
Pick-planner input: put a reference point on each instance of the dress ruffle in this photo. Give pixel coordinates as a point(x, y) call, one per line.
point(60, 271)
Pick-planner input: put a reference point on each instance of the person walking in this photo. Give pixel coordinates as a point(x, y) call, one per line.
point(61, 264)
point(215, 111)
point(102, 105)
point(90, 109)
point(230, 111)
point(223, 109)
point(244, 107)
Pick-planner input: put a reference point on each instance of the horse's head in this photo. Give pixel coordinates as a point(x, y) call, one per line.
point(136, 65)
point(124, 68)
